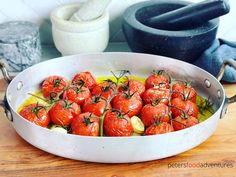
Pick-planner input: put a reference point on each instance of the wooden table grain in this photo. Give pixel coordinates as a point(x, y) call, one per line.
point(20, 159)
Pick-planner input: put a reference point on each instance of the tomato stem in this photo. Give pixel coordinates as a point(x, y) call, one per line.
point(37, 108)
point(185, 115)
point(36, 96)
point(108, 101)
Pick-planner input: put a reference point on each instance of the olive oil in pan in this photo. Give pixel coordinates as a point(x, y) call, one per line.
point(205, 110)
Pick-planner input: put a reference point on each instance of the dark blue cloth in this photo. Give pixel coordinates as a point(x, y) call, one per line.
point(213, 57)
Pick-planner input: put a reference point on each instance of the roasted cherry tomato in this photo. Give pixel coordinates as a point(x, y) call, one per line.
point(105, 89)
point(77, 94)
point(157, 79)
point(62, 112)
point(154, 95)
point(180, 107)
point(134, 86)
point(182, 122)
point(95, 105)
point(184, 91)
point(152, 113)
point(86, 124)
point(54, 85)
point(127, 104)
point(159, 128)
point(116, 124)
point(86, 77)
point(36, 113)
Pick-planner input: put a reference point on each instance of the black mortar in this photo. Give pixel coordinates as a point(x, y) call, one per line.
point(186, 45)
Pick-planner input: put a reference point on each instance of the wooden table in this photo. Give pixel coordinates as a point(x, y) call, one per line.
point(18, 158)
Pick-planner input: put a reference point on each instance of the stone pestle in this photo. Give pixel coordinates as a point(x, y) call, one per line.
point(90, 10)
point(189, 16)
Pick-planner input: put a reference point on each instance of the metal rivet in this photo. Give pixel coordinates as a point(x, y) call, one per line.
point(207, 83)
point(219, 94)
point(19, 85)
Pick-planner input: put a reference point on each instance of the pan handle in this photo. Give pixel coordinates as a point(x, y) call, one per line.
point(5, 73)
point(232, 99)
point(4, 103)
point(229, 62)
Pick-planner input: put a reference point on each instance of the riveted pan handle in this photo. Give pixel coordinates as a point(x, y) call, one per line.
point(232, 99)
point(5, 73)
point(4, 103)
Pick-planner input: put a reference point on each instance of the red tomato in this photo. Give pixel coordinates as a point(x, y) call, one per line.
point(134, 86)
point(180, 90)
point(105, 89)
point(157, 80)
point(62, 112)
point(130, 104)
point(154, 95)
point(177, 88)
point(180, 107)
point(152, 113)
point(95, 105)
point(182, 122)
point(36, 113)
point(116, 124)
point(85, 124)
point(53, 85)
point(159, 128)
point(86, 77)
point(77, 94)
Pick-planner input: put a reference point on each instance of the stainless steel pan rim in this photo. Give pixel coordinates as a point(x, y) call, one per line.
point(106, 146)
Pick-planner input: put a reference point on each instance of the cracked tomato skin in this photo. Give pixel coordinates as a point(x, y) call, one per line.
point(135, 86)
point(77, 94)
point(81, 126)
point(180, 90)
point(54, 85)
point(181, 122)
point(105, 89)
point(162, 95)
point(160, 128)
point(95, 107)
point(63, 112)
point(157, 80)
point(179, 106)
point(151, 113)
point(117, 126)
point(41, 117)
point(132, 106)
point(87, 78)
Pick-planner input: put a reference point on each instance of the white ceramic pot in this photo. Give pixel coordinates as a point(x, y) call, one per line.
point(78, 37)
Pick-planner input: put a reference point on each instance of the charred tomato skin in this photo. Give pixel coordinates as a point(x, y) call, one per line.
point(180, 107)
point(63, 112)
point(153, 95)
point(182, 122)
point(77, 94)
point(86, 124)
point(38, 116)
point(54, 85)
point(87, 78)
point(131, 105)
point(152, 113)
point(180, 90)
point(157, 80)
point(134, 86)
point(114, 125)
point(160, 128)
point(95, 107)
point(104, 89)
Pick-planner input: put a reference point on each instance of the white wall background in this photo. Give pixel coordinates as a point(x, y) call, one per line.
point(39, 11)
